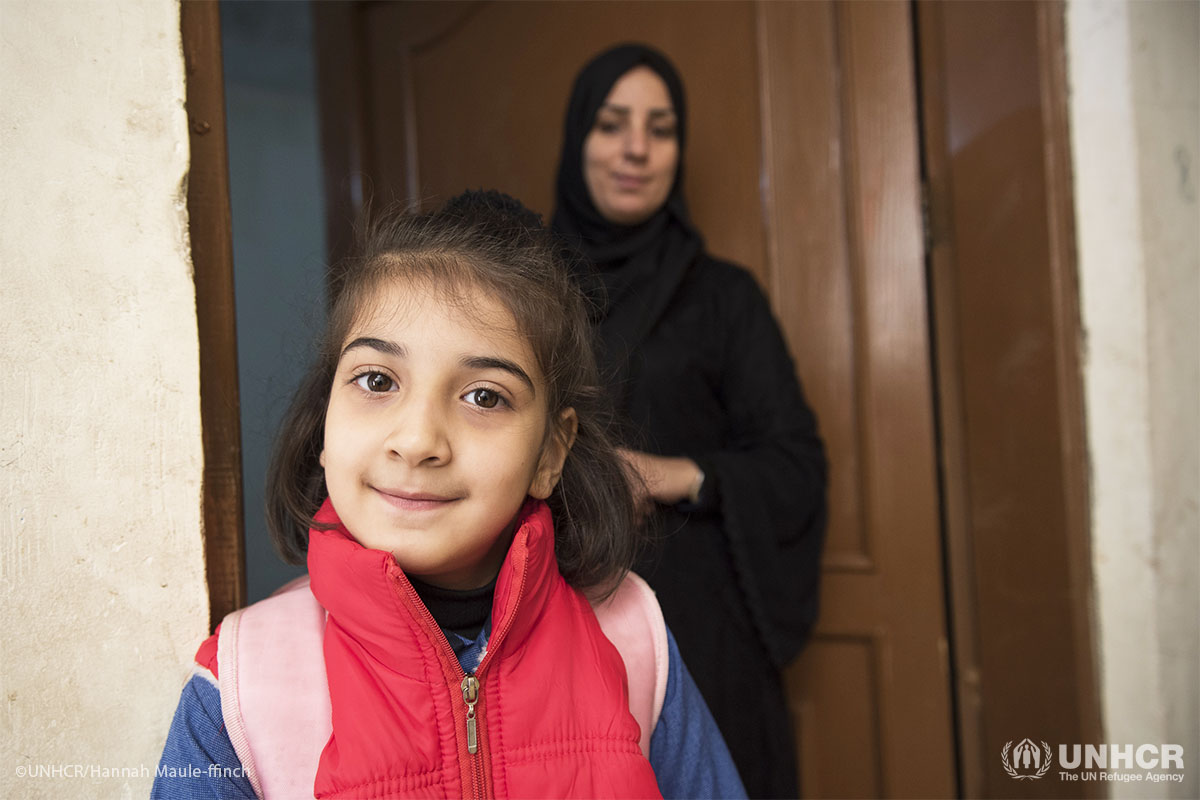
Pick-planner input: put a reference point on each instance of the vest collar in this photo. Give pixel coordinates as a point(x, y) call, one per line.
point(369, 597)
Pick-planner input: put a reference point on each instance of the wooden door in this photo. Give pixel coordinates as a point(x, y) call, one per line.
point(802, 164)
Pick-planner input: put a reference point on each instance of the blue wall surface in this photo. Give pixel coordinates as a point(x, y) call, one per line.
point(278, 235)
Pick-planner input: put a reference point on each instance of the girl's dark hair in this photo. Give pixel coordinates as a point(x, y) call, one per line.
point(487, 241)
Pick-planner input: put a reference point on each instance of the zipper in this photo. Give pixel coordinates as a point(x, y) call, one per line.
point(471, 685)
point(470, 690)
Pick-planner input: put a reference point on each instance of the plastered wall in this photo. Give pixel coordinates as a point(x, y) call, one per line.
point(1135, 80)
point(101, 567)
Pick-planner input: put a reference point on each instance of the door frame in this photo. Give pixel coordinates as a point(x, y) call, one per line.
point(1002, 693)
point(210, 232)
point(984, 710)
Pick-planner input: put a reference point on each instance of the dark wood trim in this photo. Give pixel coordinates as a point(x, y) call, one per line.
point(210, 231)
point(1068, 340)
point(1012, 678)
point(953, 478)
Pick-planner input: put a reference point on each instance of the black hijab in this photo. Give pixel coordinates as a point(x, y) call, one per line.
point(630, 271)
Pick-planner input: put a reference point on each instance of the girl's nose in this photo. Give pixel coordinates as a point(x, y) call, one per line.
point(418, 434)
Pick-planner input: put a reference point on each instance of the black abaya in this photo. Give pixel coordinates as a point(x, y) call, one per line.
point(737, 574)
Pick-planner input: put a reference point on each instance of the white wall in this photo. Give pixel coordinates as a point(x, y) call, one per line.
point(101, 565)
point(1135, 79)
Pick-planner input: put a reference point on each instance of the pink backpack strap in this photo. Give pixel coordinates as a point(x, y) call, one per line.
point(633, 622)
point(274, 694)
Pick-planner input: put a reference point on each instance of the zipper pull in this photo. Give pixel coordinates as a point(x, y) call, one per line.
point(470, 690)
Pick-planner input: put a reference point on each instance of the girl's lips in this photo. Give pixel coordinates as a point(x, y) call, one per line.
point(415, 501)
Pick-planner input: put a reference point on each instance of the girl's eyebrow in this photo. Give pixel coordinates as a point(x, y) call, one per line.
point(383, 346)
point(491, 362)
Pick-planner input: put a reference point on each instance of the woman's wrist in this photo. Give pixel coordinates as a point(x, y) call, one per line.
point(669, 479)
point(693, 495)
point(685, 481)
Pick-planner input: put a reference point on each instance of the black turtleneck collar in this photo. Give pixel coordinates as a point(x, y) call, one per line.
point(461, 611)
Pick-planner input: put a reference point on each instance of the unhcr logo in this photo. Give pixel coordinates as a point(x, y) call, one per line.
point(1122, 763)
point(1027, 761)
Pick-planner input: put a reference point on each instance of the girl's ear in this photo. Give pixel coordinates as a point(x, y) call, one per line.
point(554, 454)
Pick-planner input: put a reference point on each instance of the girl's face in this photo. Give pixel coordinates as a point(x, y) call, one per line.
point(436, 431)
point(631, 153)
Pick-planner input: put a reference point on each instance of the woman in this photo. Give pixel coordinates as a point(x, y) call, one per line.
point(728, 446)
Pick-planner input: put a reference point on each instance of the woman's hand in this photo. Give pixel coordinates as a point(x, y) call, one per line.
point(667, 480)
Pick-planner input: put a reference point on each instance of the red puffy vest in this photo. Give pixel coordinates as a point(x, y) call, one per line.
point(545, 715)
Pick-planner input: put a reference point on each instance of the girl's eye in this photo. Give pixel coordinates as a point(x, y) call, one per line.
point(663, 133)
point(375, 382)
point(607, 126)
point(484, 398)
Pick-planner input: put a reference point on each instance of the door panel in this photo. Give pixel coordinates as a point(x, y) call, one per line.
point(802, 165)
point(848, 272)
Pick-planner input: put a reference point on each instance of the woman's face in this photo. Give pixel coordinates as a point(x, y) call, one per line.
point(631, 153)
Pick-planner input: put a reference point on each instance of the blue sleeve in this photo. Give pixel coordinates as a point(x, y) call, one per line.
point(688, 755)
point(198, 761)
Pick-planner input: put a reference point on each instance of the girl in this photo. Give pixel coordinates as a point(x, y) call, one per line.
point(445, 474)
